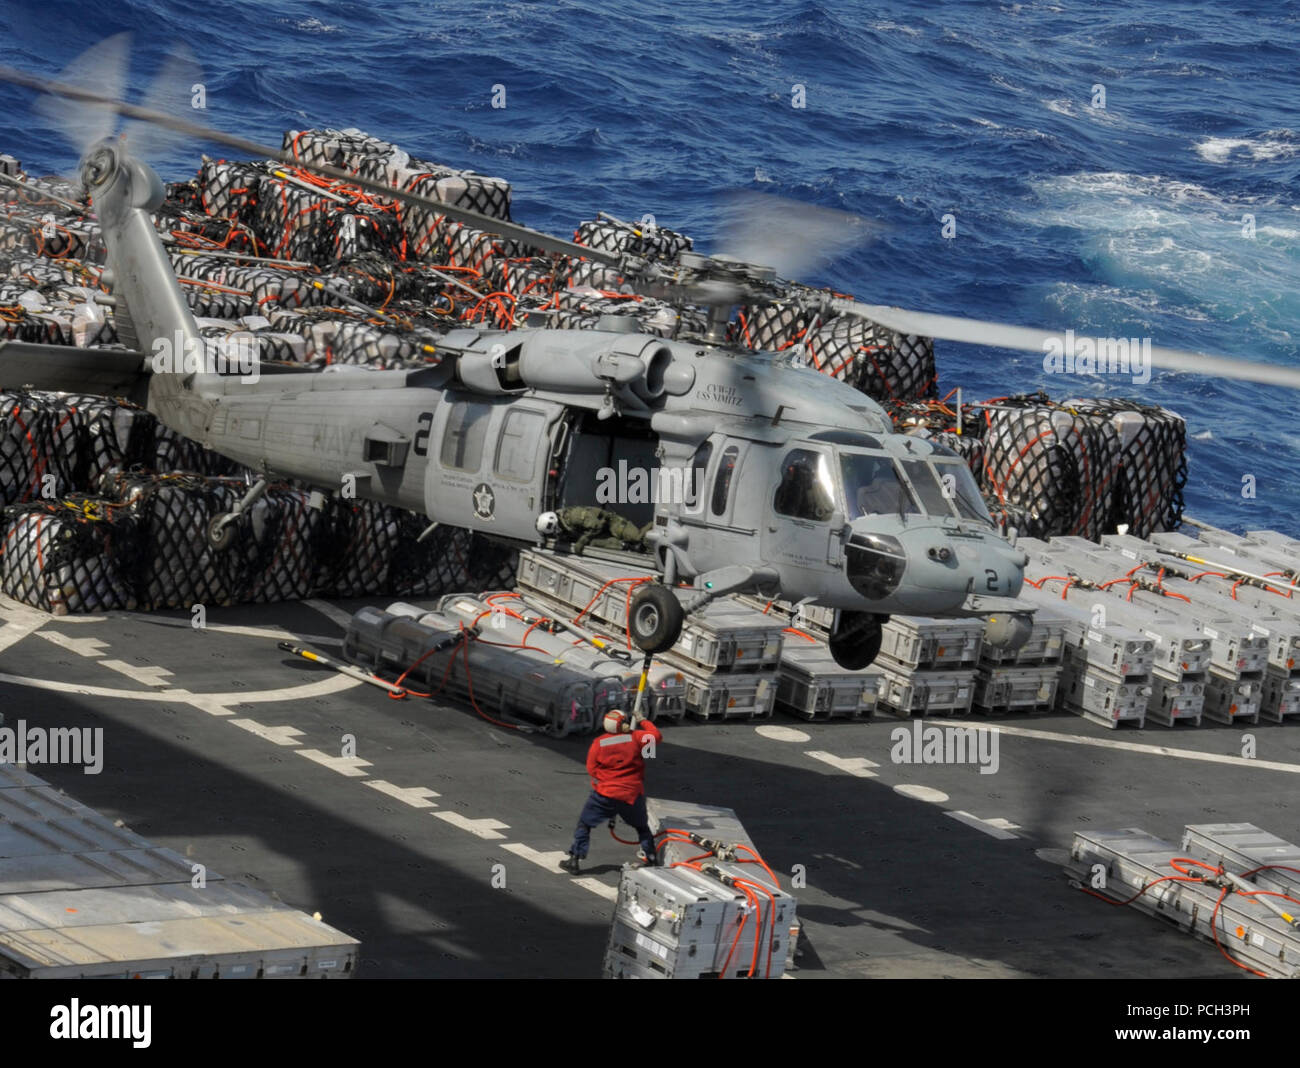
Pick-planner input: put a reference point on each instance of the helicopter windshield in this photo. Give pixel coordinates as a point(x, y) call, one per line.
point(959, 487)
point(872, 486)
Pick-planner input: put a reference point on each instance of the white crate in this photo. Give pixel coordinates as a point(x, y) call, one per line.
point(946, 693)
point(726, 694)
point(921, 643)
point(1017, 689)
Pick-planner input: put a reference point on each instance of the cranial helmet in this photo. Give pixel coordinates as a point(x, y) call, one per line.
point(548, 524)
point(616, 722)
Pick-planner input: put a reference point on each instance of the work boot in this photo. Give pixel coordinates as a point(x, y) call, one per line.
point(570, 864)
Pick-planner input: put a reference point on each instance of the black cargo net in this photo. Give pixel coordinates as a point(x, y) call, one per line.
point(1056, 464)
point(639, 239)
point(68, 557)
point(1152, 442)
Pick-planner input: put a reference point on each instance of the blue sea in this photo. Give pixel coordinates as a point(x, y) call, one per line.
point(1122, 220)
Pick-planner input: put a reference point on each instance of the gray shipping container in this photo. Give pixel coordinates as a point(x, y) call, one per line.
point(83, 898)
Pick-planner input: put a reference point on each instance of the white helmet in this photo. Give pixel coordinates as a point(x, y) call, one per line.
point(548, 524)
point(617, 722)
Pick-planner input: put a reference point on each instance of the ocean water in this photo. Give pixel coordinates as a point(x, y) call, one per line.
point(1124, 220)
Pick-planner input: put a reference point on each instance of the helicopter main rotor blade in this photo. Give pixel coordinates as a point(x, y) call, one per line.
point(169, 92)
point(1033, 339)
point(100, 71)
point(508, 230)
point(789, 236)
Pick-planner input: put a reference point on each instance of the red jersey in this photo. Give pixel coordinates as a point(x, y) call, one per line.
point(615, 763)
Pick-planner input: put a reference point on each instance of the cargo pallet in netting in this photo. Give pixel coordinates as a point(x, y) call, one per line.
point(437, 653)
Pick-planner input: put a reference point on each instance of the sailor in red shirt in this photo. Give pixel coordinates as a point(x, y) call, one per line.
point(616, 764)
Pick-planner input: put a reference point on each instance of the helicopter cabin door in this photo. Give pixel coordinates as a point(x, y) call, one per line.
point(487, 463)
point(802, 515)
point(723, 502)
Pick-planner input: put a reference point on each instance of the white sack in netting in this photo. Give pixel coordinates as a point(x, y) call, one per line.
point(62, 563)
point(642, 239)
point(1057, 466)
point(1152, 461)
point(883, 364)
point(39, 438)
point(773, 326)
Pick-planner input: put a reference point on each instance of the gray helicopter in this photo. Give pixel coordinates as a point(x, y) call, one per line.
point(785, 482)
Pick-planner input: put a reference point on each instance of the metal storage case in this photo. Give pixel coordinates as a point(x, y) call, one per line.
point(725, 635)
point(81, 897)
point(920, 643)
point(925, 692)
point(1016, 689)
point(812, 686)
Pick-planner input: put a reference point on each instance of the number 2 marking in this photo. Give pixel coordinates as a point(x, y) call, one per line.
point(993, 579)
point(424, 422)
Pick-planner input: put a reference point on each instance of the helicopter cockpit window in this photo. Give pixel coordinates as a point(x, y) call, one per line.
point(694, 480)
point(872, 486)
point(936, 494)
point(965, 494)
point(806, 490)
point(462, 442)
point(722, 480)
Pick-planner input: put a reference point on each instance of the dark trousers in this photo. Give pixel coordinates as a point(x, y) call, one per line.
point(600, 809)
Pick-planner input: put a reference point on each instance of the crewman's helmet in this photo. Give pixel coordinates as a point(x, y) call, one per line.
point(617, 722)
point(548, 524)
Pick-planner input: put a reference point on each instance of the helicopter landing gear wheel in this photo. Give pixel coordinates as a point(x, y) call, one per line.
point(855, 641)
point(655, 618)
point(221, 532)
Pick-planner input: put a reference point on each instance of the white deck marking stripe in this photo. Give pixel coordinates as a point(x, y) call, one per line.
point(550, 860)
point(852, 765)
point(14, 631)
point(328, 685)
point(87, 647)
point(484, 828)
point(989, 827)
point(349, 766)
point(272, 633)
point(1131, 747)
point(415, 796)
point(147, 675)
point(609, 893)
point(278, 735)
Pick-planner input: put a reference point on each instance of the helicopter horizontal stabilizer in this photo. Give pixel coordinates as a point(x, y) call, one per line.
point(65, 369)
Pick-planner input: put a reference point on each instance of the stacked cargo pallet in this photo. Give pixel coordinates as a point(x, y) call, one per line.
point(1272, 608)
point(82, 897)
point(1127, 579)
point(711, 909)
point(1025, 679)
point(495, 662)
point(1105, 669)
point(810, 684)
point(928, 666)
point(1225, 883)
point(727, 654)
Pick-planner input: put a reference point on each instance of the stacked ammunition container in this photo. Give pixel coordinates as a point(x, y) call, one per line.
point(727, 654)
